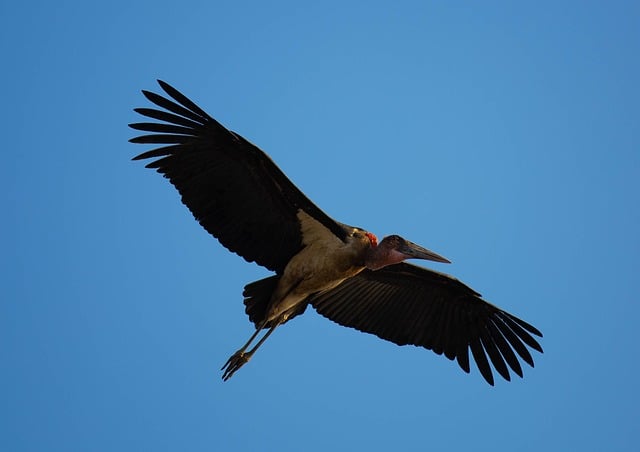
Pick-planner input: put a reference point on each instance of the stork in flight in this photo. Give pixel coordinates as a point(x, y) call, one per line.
point(236, 192)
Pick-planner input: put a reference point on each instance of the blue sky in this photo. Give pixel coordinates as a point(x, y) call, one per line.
point(505, 136)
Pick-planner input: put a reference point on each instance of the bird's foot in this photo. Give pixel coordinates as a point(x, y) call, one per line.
point(235, 362)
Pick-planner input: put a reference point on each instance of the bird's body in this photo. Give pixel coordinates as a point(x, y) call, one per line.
point(323, 263)
point(241, 197)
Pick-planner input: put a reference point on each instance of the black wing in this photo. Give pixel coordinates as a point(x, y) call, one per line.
point(231, 187)
point(407, 304)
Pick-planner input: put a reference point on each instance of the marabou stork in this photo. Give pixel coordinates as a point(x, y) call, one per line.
point(238, 194)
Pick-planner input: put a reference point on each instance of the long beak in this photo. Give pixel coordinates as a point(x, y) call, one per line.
point(413, 251)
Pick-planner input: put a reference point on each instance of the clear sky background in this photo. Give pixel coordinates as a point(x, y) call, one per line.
point(503, 135)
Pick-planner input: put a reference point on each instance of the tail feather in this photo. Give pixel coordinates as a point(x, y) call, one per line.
point(257, 296)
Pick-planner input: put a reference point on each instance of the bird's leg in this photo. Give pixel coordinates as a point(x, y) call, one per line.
point(253, 336)
point(240, 358)
point(238, 355)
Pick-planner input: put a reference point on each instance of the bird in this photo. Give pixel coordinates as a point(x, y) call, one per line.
point(241, 197)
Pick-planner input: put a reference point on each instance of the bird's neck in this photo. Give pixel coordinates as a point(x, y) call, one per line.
point(381, 256)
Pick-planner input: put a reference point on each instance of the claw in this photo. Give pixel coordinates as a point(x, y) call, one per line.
point(240, 358)
point(235, 362)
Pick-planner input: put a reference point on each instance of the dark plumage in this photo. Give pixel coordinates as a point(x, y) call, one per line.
point(242, 198)
point(231, 187)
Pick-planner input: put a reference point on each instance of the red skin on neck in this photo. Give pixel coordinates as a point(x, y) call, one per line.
point(372, 238)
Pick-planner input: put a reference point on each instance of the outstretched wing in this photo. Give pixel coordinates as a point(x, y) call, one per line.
point(407, 304)
point(231, 187)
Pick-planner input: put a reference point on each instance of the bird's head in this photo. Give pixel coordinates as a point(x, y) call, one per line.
point(394, 249)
